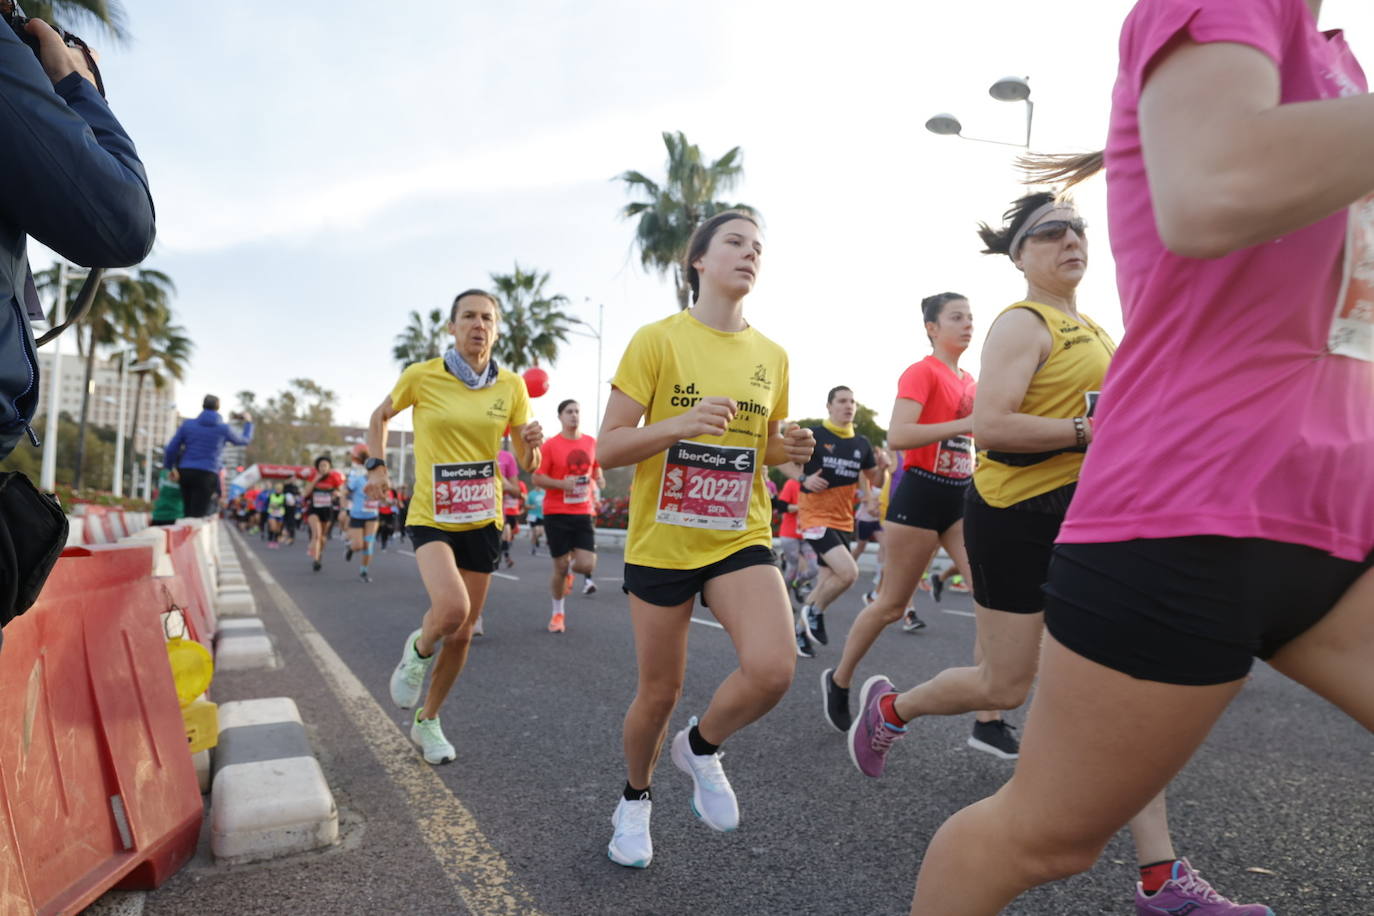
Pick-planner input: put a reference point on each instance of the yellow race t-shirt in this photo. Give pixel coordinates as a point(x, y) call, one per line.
point(702, 499)
point(458, 434)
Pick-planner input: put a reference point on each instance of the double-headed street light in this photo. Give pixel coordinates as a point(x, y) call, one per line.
point(1007, 89)
point(594, 332)
point(152, 365)
point(47, 475)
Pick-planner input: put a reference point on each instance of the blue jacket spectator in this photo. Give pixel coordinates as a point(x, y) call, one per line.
point(71, 178)
point(195, 454)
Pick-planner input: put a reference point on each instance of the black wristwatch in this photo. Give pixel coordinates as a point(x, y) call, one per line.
point(373, 463)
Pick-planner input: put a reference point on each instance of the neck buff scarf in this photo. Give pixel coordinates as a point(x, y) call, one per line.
point(459, 367)
point(844, 432)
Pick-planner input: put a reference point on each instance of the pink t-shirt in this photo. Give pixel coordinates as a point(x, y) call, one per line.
point(1239, 403)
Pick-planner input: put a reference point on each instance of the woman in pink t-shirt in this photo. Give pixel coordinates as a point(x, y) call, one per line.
point(1226, 507)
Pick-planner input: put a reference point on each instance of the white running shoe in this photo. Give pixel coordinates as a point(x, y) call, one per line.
point(589, 588)
point(630, 844)
point(477, 628)
point(712, 798)
point(409, 675)
point(429, 738)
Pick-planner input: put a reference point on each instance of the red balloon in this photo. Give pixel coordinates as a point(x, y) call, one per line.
point(536, 382)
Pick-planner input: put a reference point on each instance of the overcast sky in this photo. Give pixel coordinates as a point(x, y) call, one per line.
point(321, 169)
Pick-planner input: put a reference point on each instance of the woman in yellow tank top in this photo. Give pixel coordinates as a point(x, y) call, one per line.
point(1042, 366)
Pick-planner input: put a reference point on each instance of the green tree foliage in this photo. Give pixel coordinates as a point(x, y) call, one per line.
point(533, 323)
point(669, 212)
point(99, 453)
point(425, 337)
point(289, 422)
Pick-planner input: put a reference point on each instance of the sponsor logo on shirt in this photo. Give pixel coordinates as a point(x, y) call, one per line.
point(497, 410)
point(760, 378)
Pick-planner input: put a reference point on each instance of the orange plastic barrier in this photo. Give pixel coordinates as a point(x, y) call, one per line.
point(188, 588)
point(97, 788)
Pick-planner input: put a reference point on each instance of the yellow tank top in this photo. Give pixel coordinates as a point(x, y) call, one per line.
point(1062, 388)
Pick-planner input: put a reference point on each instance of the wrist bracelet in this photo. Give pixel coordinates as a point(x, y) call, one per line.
point(1080, 431)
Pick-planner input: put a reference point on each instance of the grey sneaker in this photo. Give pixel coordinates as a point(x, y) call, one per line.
point(835, 701)
point(409, 675)
point(429, 738)
point(995, 738)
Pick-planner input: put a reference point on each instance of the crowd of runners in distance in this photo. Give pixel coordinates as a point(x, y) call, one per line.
point(1107, 507)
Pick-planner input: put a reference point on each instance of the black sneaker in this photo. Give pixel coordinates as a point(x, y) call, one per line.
point(937, 587)
point(814, 622)
point(348, 555)
point(836, 699)
point(910, 622)
point(804, 649)
point(995, 738)
point(316, 566)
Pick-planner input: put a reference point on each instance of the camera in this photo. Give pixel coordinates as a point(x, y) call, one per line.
point(17, 21)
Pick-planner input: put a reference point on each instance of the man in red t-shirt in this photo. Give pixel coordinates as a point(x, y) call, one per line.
point(568, 474)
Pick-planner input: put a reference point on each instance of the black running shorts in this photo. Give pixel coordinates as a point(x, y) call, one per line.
point(1190, 610)
point(359, 522)
point(827, 542)
point(925, 500)
point(672, 587)
point(326, 514)
point(567, 533)
point(1009, 553)
point(867, 530)
point(476, 550)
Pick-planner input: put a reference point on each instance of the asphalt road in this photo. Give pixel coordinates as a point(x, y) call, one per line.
point(1282, 784)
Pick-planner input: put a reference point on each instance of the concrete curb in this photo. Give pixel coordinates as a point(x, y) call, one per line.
point(269, 797)
point(242, 644)
point(236, 604)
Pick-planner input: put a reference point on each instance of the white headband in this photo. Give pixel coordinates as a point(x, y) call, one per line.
point(1029, 224)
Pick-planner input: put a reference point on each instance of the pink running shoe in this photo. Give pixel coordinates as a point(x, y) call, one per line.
point(870, 735)
point(1187, 893)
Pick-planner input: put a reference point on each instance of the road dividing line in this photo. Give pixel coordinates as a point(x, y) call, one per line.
point(506, 576)
point(474, 868)
point(707, 623)
point(959, 613)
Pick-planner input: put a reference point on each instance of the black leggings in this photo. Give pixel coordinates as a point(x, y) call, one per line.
point(198, 491)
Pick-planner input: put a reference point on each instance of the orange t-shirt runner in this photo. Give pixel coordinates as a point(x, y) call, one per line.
point(570, 459)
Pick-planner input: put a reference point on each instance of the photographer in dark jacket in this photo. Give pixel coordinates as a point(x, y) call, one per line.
point(69, 177)
point(194, 455)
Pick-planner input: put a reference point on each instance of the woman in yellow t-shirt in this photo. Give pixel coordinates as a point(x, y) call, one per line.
point(712, 392)
point(462, 403)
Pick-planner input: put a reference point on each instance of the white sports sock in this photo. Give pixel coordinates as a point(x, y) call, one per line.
point(557, 606)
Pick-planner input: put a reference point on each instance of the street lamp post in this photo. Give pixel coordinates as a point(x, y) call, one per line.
point(117, 484)
point(596, 333)
point(1007, 89)
point(47, 475)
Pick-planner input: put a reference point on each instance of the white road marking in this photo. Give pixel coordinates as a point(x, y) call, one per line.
point(475, 870)
point(960, 613)
point(506, 576)
point(708, 623)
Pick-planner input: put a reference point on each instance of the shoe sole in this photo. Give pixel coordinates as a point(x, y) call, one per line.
point(638, 863)
point(825, 701)
point(686, 767)
point(858, 720)
point(802, 654)
point(990, 749)
point(913, 627)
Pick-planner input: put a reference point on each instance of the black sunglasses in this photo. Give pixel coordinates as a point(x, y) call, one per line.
point(1053, 230)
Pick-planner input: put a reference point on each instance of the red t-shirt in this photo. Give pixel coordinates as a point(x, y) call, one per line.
point(791, 491)
point(569, 459)
point(944, 397)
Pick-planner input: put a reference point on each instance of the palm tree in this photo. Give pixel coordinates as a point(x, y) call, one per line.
point(670, 213)
point(108, 14)
point(122, 302)
point(532, 322)
point(421, 340)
